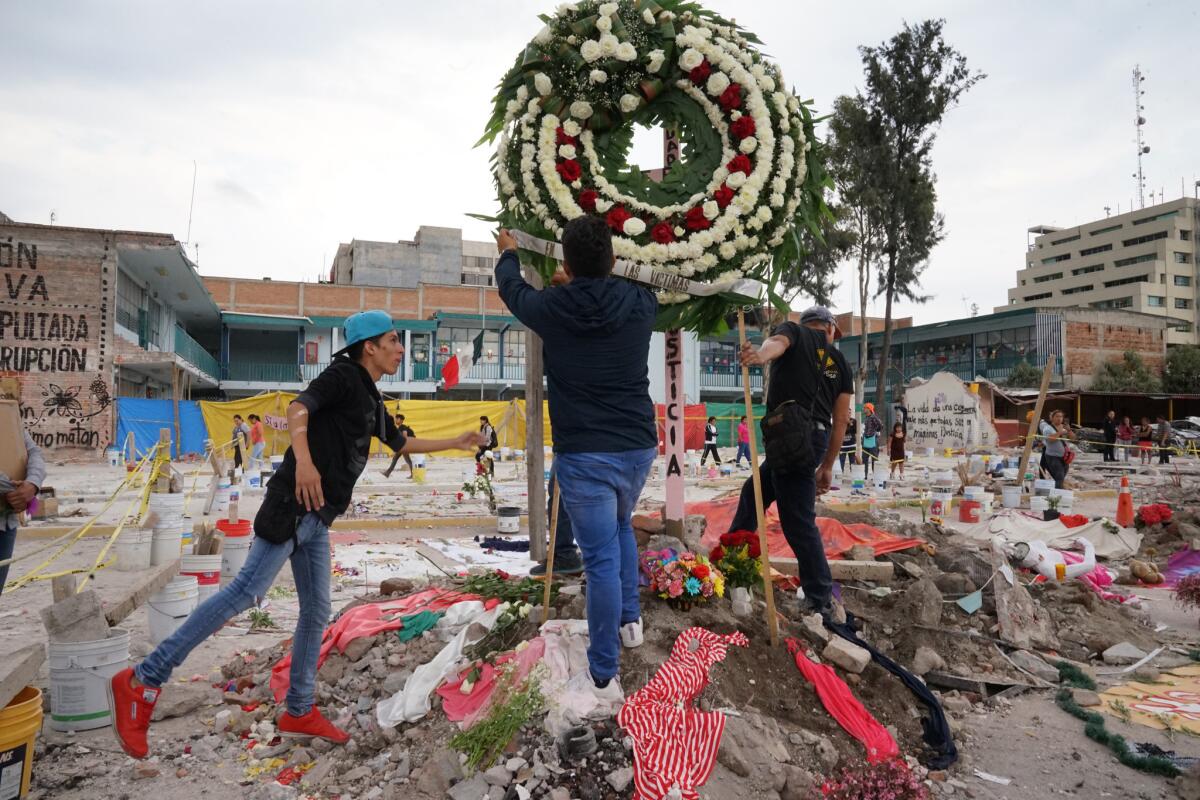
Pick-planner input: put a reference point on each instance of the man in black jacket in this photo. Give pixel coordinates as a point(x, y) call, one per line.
point(1110, 435)
point(595, 332)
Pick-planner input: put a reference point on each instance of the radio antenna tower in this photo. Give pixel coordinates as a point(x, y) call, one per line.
point(1139, 122)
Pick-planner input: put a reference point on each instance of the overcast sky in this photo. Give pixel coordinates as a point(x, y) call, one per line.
point(315, 123)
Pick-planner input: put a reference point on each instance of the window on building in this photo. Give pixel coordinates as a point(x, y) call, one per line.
point(514, 348)
point(1056, 259)
point(1183, 280)
point(1068, 239)
point(1022, 281)
point(154, 323)
point(1156, 217)
point(1051, 277)
point(1031, 297)
point(1183, 258)
point(1093, 250)
point(1181, 302)
point(1078, 289)
point(130, 297)
point(476, 279)
point(1107, 229)
point(478, 263)
point(1156, 301)
point(1185, 328)
point(1116, 302)
point(1150, 237)
point(1185, 235)
point(1123, 281)
point(1086, 270)
point(1125, 262)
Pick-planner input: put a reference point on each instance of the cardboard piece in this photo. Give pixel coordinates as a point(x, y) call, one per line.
point(13, 457)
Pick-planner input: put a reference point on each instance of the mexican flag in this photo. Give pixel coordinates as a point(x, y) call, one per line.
point(458, 364)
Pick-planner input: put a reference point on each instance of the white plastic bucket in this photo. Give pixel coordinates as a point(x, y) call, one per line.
point(79, 677)
point(166, 505)
point(506, 454)
point(1010, 496)
point(206, 570)
point(973, 493)
point(418, 460)
point(253, 478)
point(133, 550)
point(169, 608)
point(1042, 487)
point(220, 506)
point(858, 476)
point(1039, 503)
point(518, 455)
point(165, 546)
point(1010, 473)
point(939, 505)
point(276, 463)
point(508, 519)
point(113, 456)
point(1066, 499)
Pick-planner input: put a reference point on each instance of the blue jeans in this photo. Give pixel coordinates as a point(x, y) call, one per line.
point(600, 491)
point(743, 451)
point(8, 542)
point(310, 559)
point(796, 493)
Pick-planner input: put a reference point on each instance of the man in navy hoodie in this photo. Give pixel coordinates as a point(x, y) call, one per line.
point(595, 332)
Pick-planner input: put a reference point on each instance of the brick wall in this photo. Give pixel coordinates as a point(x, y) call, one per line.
point(318, 299)
point(1090, 344)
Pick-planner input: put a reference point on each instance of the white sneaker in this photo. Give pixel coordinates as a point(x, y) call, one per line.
point(631, 634)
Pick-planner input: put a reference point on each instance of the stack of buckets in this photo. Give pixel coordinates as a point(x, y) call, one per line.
point(134, 550)
point(225, 493)
point(20, 722)
point(169, 608)
point(1041, 493)
point(969, 510)
point(207, 572)
point(236, 547)
point(171, 532)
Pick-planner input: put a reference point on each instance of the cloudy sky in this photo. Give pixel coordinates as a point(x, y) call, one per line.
point(313, 123)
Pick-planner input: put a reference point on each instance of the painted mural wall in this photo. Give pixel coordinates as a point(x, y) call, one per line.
point(944, 412)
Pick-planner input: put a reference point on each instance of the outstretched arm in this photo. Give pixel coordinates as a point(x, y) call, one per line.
point(525, 302)
point(464, 441)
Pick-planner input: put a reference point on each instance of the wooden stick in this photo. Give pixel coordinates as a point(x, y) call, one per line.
point(550, 552)
point(764, 555)
point(1031, 435)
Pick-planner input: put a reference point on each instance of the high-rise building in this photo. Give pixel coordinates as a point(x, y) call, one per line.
point(1142, 261)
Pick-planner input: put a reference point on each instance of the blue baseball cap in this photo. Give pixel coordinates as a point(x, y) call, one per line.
point(364, 325)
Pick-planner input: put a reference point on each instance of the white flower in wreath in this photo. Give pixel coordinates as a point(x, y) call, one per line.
point(609, 45)
point(691, 59)
point(513, 203)
point(590, 50)
point(703, 240)
point(767, 84)
point(630, 103)
point(567, 151)
point(648, 17)
point(542, 83)
point(736, 180)
point(626, 52)
point(577, 185)
point(764, 213)
point(608, 9)
point(598, 76)
point(581, 109)
point(741, 243)
point(748, 145)
point(711, 209)
point(571, 128)
point(572, 40)
point(604, 24)
point(735, 115)
point(708, 261)
point(566, 8)
point(679, 231)
point(727, 250)
point(512, 107)
point(657, 57)
point(634, 226)
point(603, 205)
point(745, 203)
point(544, 36)
point(717, 83)
point(776, 201)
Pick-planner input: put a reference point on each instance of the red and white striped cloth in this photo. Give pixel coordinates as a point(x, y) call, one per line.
point(675, 745)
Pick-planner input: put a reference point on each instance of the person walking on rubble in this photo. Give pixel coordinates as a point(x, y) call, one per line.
point(331, 424)
point(1054, 458)
point(595, 332)
point(807, 371)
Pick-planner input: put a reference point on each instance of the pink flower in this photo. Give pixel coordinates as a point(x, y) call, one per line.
point(676, 588)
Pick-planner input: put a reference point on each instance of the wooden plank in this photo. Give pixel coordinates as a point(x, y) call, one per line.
point(1037, 416)
point(20, 669)
point(158, 578)
point(535, 480)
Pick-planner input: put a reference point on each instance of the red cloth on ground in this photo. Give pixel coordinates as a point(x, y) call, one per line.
point(838, 538)
point(673, 743)
point(468, 708)
point(368, 620)
point(844, 707)
point(1073, 520)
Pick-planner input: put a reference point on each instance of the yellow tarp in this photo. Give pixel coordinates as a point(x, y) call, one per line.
point(430, 419)
point(1174, 700)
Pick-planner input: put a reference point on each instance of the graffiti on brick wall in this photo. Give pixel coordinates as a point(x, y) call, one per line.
point(943, 412)
point(66, 416)
point(36, 340)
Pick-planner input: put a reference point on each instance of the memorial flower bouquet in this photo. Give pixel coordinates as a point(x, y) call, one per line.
point(481, 484)
point(1153, 514)
point(737, 556)
point(682, 578)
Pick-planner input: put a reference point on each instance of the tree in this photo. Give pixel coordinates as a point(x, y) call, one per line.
point(1130, 374)
point(1023, 376)
point(1182, 371)
point(912, 80)
point(821, 252)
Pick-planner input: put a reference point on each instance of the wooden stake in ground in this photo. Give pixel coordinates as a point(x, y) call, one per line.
point(550, 551)
point(1031, 434)
point(756, 476)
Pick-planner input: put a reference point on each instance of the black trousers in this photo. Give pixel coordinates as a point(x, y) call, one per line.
point(1057, 467)
point(710, 448)
point(1109, 450)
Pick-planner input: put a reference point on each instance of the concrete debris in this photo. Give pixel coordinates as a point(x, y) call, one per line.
point(1034, 664)
point(922, 603)
point(846, 655)
point(178, 699)
point(1121, 654)
point(927, 660)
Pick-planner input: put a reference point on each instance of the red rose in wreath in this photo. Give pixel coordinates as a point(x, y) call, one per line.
point(588, 198)
point(740, 163)
point(723, 196)
point(731, 98)
point(717, 554)
point(662, 233)
point(561, 137)
point(616, 218)
point(700, 74)
point(695, 220)
point(569, 170)
point(742, 126)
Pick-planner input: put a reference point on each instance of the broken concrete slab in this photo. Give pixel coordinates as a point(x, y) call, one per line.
point(850, 570)
point(921, 603)
point(178, 699)
point(846, 655)
point(158, 578)
point(861, 552)
point(1035, 665)
point(1121, 654)
point(926, 659)
point(78, 618)
point(20, 669)
point(1022, 623)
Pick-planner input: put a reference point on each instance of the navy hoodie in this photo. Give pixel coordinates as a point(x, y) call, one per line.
point(596, 342)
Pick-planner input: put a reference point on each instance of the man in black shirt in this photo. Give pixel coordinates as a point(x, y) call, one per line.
point(331, 424)
point(806, 369)
point(1110, 435)
point(711, 435)
point(409, 433)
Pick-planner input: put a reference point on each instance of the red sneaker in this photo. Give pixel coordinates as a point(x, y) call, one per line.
point(131, 709)
point(311, 725)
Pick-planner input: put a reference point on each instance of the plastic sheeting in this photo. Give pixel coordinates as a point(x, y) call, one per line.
point(728, 414)
point(144, 418)
point(1180, 565)
point(694, 418)
point(838, 538)
point(1017, 526)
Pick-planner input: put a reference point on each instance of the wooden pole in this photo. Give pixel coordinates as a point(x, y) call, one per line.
point(673, 432)
point(535, 458)
point(1031, 434)
point(550, 551)
point(756, 476)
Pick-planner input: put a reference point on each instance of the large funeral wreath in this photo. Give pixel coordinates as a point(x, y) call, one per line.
point(564, 118)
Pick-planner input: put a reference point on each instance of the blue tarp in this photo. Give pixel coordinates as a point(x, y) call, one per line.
point(144, 418)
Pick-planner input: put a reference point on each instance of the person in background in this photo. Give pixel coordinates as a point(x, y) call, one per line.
point(1055, 430)
point(1145, 440)
point(710, 442)
point(241, 439)
point(258, 441)
point(1124, 438)
point(15, 497)
point(1163, 436)
point(896, 451)
point(409, 433)
point(849, 444)
point(872, 429)
point(1109, 427)
point(490, 442)
point(743, 442)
